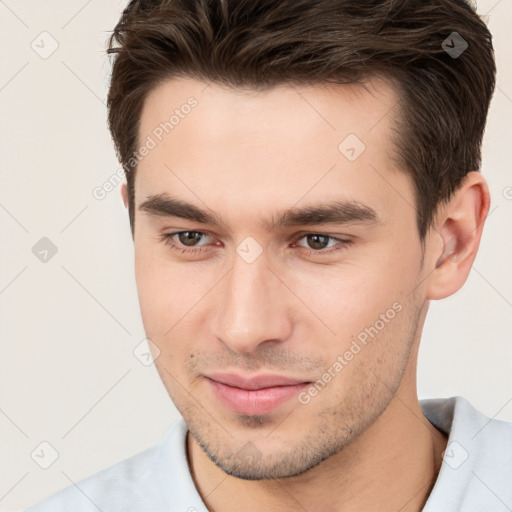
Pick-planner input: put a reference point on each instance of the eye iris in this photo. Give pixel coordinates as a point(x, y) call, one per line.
point(318, 241)
point(189, 237)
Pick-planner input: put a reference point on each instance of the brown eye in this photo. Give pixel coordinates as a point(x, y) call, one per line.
point(318, 242)
point(189, 238)
point(193, 242)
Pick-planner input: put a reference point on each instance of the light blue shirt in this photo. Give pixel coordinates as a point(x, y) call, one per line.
point(476, 473)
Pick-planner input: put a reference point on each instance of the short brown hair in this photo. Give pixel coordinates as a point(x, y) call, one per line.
point(257, 44)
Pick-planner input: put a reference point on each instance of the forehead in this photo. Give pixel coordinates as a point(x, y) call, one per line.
point(232, 113)
point(244, 149)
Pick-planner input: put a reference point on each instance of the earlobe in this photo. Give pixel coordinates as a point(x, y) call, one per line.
point(124, 194)
point(459, 226)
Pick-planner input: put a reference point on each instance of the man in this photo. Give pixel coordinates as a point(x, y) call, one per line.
point(302, 180)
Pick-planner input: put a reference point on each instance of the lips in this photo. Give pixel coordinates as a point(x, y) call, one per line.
point(256, 395)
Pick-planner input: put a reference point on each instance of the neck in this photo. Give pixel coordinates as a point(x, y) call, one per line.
point(392, 466)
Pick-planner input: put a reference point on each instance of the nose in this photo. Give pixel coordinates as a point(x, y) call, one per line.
point(251, 307)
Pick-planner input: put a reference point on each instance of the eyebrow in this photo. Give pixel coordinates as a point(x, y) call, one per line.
point(336, 212)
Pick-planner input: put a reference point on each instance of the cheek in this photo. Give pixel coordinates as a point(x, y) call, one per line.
point(349, 298)
point(333, 303)
point(366, 361)
point(166, 290)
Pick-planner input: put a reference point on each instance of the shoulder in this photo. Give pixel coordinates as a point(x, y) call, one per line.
point(464, 423)
point(131, 484)
point(477, 464)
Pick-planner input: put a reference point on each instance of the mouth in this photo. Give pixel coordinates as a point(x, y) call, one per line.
point(255, 395)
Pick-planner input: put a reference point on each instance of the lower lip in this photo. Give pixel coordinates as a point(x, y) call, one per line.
point(255, 402)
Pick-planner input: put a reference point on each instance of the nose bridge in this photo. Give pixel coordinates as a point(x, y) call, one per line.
point(251, 310)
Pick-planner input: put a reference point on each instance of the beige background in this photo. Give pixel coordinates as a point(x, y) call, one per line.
point(69, 326)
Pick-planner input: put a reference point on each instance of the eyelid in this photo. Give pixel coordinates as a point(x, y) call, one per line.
point(331, 237)
point(169, 238)
point(342, 243)
point(298, 236)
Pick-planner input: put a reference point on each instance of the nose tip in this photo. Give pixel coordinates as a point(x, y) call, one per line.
point(245, 328)
point(242, 342)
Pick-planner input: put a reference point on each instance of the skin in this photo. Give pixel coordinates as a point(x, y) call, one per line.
point(362, 442)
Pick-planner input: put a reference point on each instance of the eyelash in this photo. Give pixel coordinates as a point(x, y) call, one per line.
point(166, 238)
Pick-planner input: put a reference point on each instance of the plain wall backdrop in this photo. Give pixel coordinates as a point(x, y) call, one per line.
point(70, 324)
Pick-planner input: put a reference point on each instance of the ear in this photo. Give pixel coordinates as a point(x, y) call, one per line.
point(124, 194)
point(459, 224)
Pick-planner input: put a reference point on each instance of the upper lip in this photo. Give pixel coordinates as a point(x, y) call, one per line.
point(254, 382)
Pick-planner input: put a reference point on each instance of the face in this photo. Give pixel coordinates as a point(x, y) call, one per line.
point(277, 265)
